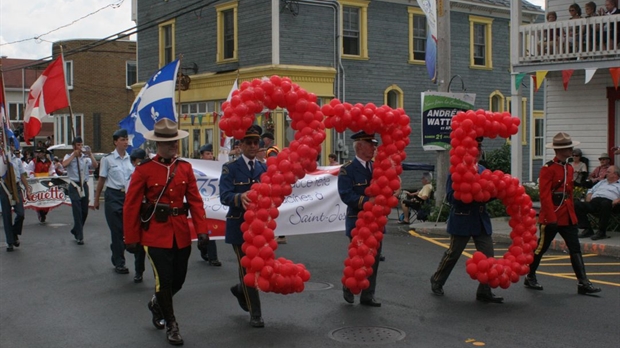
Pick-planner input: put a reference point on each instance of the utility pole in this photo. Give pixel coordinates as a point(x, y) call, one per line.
point(443, 76)
point(516, 148)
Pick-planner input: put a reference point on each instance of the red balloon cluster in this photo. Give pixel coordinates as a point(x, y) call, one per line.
point(470, 186)
point(264, 271)
point(393, 126)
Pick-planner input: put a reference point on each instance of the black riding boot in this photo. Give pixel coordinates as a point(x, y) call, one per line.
point(584, 287)
point(164, 299)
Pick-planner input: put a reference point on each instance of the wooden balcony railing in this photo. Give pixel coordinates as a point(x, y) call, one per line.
point(577, 39)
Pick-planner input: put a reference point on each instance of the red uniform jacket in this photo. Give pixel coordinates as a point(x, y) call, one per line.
point(148, 180)
point(556, 176)
point(41, 167)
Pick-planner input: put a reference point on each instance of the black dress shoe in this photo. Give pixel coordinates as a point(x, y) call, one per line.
point(586, 233)
point(242, 303)
point(80, 241)
point(257, 322)
point(16, 242)
point(532, 283)
point(121, 270)
point(347, 295)
point(215, 263)
point(371, 302)
point(436, 288)
point(490, 298)
point(381, 258)
point(172, 334)
point(587, 288)
point(204, 256)
point(137, 278)
point(599, 236)
point(158, 316)
point(9, 248)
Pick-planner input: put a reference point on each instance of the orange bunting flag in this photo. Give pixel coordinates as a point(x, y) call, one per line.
point(615, 76)
point(566, 74)
point(540, 76)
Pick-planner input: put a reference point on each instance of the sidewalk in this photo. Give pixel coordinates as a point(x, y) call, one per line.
point(501, 233)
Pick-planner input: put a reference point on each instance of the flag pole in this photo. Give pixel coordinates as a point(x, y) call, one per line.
point(179, 71)
point(71, 116)
point(10, 178)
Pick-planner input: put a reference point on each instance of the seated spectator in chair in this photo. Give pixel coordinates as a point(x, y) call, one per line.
point(415, 200)
point(581, 168)
point(598, 174)
point(600, 201)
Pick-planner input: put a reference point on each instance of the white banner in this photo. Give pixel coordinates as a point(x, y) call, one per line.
point(314, 206)
point(50, 192)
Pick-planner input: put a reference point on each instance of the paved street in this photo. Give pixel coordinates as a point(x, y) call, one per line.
point(54, 293)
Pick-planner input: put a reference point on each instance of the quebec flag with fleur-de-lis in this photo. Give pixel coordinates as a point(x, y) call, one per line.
point(154, 102)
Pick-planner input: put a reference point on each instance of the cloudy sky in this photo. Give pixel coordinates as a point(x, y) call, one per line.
point(29, 19)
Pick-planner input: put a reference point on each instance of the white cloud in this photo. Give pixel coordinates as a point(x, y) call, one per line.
point(21, 19)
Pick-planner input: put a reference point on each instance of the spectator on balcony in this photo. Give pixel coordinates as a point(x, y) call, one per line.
point(590, 37)
point(550, 44)
point(611, 8)
point(575, 13)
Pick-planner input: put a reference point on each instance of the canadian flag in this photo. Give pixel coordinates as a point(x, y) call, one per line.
point(47, 94)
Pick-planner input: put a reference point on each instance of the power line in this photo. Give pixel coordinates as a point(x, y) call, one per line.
point(38, 37)
point(121, 34)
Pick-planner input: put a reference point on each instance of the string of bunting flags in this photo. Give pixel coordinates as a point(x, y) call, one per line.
point(566, 75)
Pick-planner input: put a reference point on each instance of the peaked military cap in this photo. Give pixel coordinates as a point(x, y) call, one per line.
point(137, 154)
point(206, 148)
point(121, 133)
point(361, 135)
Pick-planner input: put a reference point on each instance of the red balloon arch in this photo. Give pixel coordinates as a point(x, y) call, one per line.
point(470, 186)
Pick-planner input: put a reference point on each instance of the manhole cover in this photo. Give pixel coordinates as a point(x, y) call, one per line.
point(315, 286)
point(367, 335)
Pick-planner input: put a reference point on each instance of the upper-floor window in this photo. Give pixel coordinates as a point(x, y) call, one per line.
point(16, 111)
point(480, 42)
point(131, 75)
point(69, 73)
point(227, 32)
point(63, 125)
point(166, 42)
point(354, 28)
point(393, 97)
point(417, 35)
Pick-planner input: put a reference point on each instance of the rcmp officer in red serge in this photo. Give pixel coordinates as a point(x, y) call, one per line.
point(353, 179)
point(235, 182)
point(163, 183)
point(557, 213)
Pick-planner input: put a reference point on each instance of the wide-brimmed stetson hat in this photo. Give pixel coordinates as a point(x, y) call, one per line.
point(562, 141)
point(165, 130)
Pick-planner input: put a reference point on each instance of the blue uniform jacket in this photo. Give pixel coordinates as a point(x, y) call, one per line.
point(467, 219)
point(234, 181)
point(352, 181)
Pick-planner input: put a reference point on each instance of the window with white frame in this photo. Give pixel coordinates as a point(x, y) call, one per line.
point(69, 73)
point(62, 128)
point(131, 73)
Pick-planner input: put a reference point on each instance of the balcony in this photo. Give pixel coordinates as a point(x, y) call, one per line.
point(571, 44)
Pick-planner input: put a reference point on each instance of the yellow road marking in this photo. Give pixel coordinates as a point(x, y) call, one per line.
point(595, 273)
point(570, 276)
point(587, 264)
